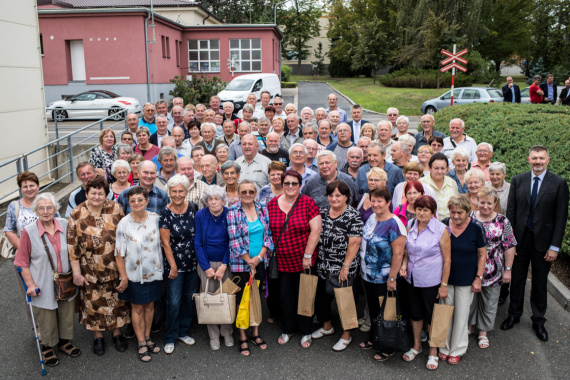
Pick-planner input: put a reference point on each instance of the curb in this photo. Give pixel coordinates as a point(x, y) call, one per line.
point(559, 291)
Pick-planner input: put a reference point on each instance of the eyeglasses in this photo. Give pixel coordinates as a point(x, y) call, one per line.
point(247, 192)
point(277, 104)
point(392, 114)
point(484, 151)
point(290, 184)
point(297, 153)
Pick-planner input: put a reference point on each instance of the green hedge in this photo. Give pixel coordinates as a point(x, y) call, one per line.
point(414, 78)
point(286, 73)
point(512, 129)
point(288, 84)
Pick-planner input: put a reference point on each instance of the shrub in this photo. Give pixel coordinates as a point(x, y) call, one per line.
point(288, 84)
point(198, 90)
point(415, 78)
point(286, 73)
point(512, 129)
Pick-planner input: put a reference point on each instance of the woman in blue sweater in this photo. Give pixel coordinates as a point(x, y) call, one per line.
point(213, 253)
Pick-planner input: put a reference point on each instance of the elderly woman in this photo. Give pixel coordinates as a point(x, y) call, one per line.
point(121, 171)
point(376, 178)
point(194, 133)
point(230, 174)
point(475, 181)
point(144, 147)
point(212, 245)
point(460, 160)
point(381, 252)
point(274, 189)
point(250, 241)
point(139, 260)
point(368, 130)
point(468, 255)
point(102, 156)
point(402, 125)
point(290, 108)
point(91, 236)
point(443, 186)
point(278, 124)
point(427, 259)
point(177, 229)
point(134, 162)
point(296, 238)
point(124, 152)
point(406, 211)
point(338, 256)
point(222, 154)
point(410, 141)
point(499, 260)
point(54, 318)
point(424, 154)
point(412, 172)
point(497, 173)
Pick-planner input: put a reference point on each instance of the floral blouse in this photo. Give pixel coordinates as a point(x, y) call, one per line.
point(101, 159)
point(182, 231)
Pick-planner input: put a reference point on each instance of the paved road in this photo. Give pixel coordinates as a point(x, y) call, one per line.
point(515, 354)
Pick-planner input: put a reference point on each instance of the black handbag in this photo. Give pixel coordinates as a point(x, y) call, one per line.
point(333, 282)
point(390, 336)
point(273, 272)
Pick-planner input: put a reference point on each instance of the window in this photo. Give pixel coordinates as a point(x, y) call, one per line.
point(163, 45)
point(204, 55)
point(247, 53)
point(168, 47)
point(176, 47)
point(447, 95)
point(470, 94)
point(42, 44)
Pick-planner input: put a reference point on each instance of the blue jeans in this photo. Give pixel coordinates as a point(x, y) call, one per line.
point(179, 304)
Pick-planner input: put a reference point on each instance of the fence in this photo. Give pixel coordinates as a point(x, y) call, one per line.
point(60, 163)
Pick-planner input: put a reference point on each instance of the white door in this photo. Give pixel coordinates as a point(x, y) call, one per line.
point(77, 60)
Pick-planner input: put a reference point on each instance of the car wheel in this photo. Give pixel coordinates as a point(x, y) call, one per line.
point(59, 115)
point(116, 113)
point(430, 110)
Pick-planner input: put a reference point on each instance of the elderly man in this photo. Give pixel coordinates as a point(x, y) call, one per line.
point(306, 115)
point(320, 114)
point(310, 131)
point(209, 116)
point(161, 130)
point(273, 151)
point(278, 104)
point(400, 153)
point(148, 119)
point(353, 162)
point(265, 98)
point(393, 115)
point(335, 119)
point(484, 154)
point(210, 175)
point(235, 148)
point(132, 126)
point(183, 146)
point(332, 100)
point(550, 89)
point(356, 123)
point(208, 141)
point(178, 101)
point(459, 139)
point(384, 131)
point(376, 159)
point(177, 117)
point(167, 158)
point(341, 146)
point(215, 104)
point(85, 172)
point(252, 100)
point(162, 109)
point(313, 148)
point(564, 97)
point(298, 159)
point(428, 130)
point(229, 136)
point(185, 166)
point(328, 172)
point(167, 141)
point(254, 166)
point(294, 135)
point(261, 134)
point(511, 92)
point(157, 198)
point(200, 112)
point(363, 144)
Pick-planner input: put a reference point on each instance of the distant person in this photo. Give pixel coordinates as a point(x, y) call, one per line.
point(511, 92)
point(550, 89)
point(85, 172)
point(460, 139)
point(428, 131)
point(148, 119)
point(273, 151)
point(564, 97)
point(332, 100)
point(393, 114)
point(215, 104)
point(162, 109)
point(294, 134)
point(356, 123)
point(344, 143)
point(534, 91)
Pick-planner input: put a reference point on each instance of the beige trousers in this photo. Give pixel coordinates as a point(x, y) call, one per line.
point(56, 324)
point(457, 336)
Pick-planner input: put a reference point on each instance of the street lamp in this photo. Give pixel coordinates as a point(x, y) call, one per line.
point(275, 11)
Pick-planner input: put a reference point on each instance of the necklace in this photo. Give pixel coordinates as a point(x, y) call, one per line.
point(216, 218)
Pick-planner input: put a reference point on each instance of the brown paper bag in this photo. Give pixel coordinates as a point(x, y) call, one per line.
point(307, 292)
point(390, 309)
point(230, 286)
point(254, 304)
point(440, 321)
point(346, 307)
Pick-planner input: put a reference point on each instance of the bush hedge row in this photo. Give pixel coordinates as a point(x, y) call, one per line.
point(414, 78)
point(288, 84)
point(512, 129)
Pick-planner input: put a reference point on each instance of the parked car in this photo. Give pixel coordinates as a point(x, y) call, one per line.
point(525, 97)
point(86, 105)
point(463, 95)
point(239, 88)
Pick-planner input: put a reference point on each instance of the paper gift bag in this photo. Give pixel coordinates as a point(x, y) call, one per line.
point(307, 292)
point(242, 320)
point(390, 308)
point(230, 286)
point(254, 304)
point(346, 307)
point(440, 321)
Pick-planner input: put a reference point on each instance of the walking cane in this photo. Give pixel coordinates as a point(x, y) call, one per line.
point(29, 302)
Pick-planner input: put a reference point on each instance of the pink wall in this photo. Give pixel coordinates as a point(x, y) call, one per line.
point(163, 69)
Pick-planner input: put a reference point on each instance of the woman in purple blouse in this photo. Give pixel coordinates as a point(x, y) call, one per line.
point(376, 178)
point(425, 266)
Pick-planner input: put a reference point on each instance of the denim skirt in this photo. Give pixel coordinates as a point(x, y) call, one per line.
point(141, 294)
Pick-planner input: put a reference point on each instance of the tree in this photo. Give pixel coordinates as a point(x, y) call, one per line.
point(301, 23)
point(241, 11)
point(197, 90)
point(319, 65)
point(372, 49)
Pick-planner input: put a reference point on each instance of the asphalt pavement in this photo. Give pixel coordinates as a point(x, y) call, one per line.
point(516, 354)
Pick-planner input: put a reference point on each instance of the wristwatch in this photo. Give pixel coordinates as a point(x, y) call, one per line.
point(480, 278)
point(508, 268)
point(443, 284)
point(392, 279)
point(306, 256)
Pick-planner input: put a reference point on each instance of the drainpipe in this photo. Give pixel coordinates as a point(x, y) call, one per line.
point(146, 53)
point(207, 17)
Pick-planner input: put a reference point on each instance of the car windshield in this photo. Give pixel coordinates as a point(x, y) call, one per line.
point(239, 85)
point(524, 93)
point(495, 94)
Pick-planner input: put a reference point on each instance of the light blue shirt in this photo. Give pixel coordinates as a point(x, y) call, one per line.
point(541, 179)
point(513, 91)
point(550, 92)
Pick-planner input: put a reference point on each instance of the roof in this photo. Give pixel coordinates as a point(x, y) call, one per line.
point(123, 3)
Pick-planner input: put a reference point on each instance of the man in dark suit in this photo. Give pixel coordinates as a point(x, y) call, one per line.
point(537, 209)
point(550, 90)
point(511, 92)
point(161, 130)
point(356, 123)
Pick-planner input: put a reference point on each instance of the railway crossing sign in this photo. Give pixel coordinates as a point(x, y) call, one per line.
point(450, 64)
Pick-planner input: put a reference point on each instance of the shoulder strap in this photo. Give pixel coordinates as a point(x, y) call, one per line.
point(48, 254)
point(285, 224)
point(17, 209)
point(362, 200)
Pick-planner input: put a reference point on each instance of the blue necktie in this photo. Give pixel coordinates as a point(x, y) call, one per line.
point(513, 92)
point(533, 195)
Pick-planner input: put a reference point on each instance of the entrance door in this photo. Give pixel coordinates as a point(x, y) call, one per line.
point(77, 60)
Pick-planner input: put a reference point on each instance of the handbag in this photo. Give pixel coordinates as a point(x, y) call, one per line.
point(63, 285)
point(7, 250)
point(215, 309)
point(333, 283)
point(390, 336)
point(273, 272)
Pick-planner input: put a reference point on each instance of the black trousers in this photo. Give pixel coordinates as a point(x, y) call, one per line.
point(273, 298)
point(289, 294)
point(527, 254)
point(244, 279)
point(373, 291)
point(323, 300)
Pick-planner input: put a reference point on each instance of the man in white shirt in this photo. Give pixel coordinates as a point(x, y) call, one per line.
point(459, 139)
point(278, 104)
point(357, 122)
point(384, 131)
point(253, 165)
point(183, 146)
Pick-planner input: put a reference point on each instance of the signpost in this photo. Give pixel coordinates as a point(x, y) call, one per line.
point(232, 65)
point(452, 57)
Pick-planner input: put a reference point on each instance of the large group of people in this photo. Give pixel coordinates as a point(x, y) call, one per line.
point(182, 201)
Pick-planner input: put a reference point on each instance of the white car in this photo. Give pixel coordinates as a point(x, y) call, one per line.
point(96, 104)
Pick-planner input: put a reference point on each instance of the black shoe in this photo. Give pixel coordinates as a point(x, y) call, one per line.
point(502, 301)
point(120, 343)
point(99, 346)
point(155, 327)
point(510, 322)
point(541, 332)
point(129, 331)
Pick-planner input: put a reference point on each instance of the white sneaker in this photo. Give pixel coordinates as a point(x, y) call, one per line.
point(169, 348)
point(187, 340)
point(229, 340)
point(215, 344)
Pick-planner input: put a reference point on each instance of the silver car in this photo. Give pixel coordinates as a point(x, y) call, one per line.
point(525, 96)
point(463, 95)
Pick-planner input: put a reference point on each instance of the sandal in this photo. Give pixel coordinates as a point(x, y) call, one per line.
point(306, 339)
point(382, 356)
point(242, 350)
point(318, 334)
point(432, 361)
point(284, 338)
point(366, 345)
point(411, 354)
point(453, 359)
point(341, 345)
point(145, 355)
point(254, 339)
point(442, 356)
point(70, 349)
point(152, 347)
point(49, 357)
point(483, 342)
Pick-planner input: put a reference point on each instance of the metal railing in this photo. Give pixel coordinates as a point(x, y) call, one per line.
point(25, 162)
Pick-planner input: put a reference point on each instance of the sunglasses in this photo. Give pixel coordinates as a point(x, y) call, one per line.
point(290, 184)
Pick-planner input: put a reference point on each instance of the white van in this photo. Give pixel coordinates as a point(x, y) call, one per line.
point(240, 87)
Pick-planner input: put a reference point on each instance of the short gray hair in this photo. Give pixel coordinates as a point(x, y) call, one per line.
point(230, 164)
point(263, 119)
point(355, 148)
point(183, 158)
point(486, 143)
point(407, 139)
point(221, 146)
point(320, 109)
point(226, 103)
point(312, 126)
point(379, 145)
point(211, 125)
point(167, 151)
point(462, 122)
point(498, 166)
point(246, 181)
point(401, 145)
point(175, 180)
point(365, 138)
point(246, 124)
point(328, 153)
point(459, 152)
point(536, 77)
point(475, 173)
point(248, 107)
point(120, 164)
point(308, 108)
point(298, 144)
point(45, 197)
point(405, 118)
point(161, 117)
point(213, 191)
point(124, 148)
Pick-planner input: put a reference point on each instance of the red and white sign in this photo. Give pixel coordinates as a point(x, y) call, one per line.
point(451, 64)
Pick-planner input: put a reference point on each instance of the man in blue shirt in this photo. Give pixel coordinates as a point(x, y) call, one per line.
point(333, 100)
point(157, 198)
point(148, 120)
point(376, 155)
point(550, 89)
